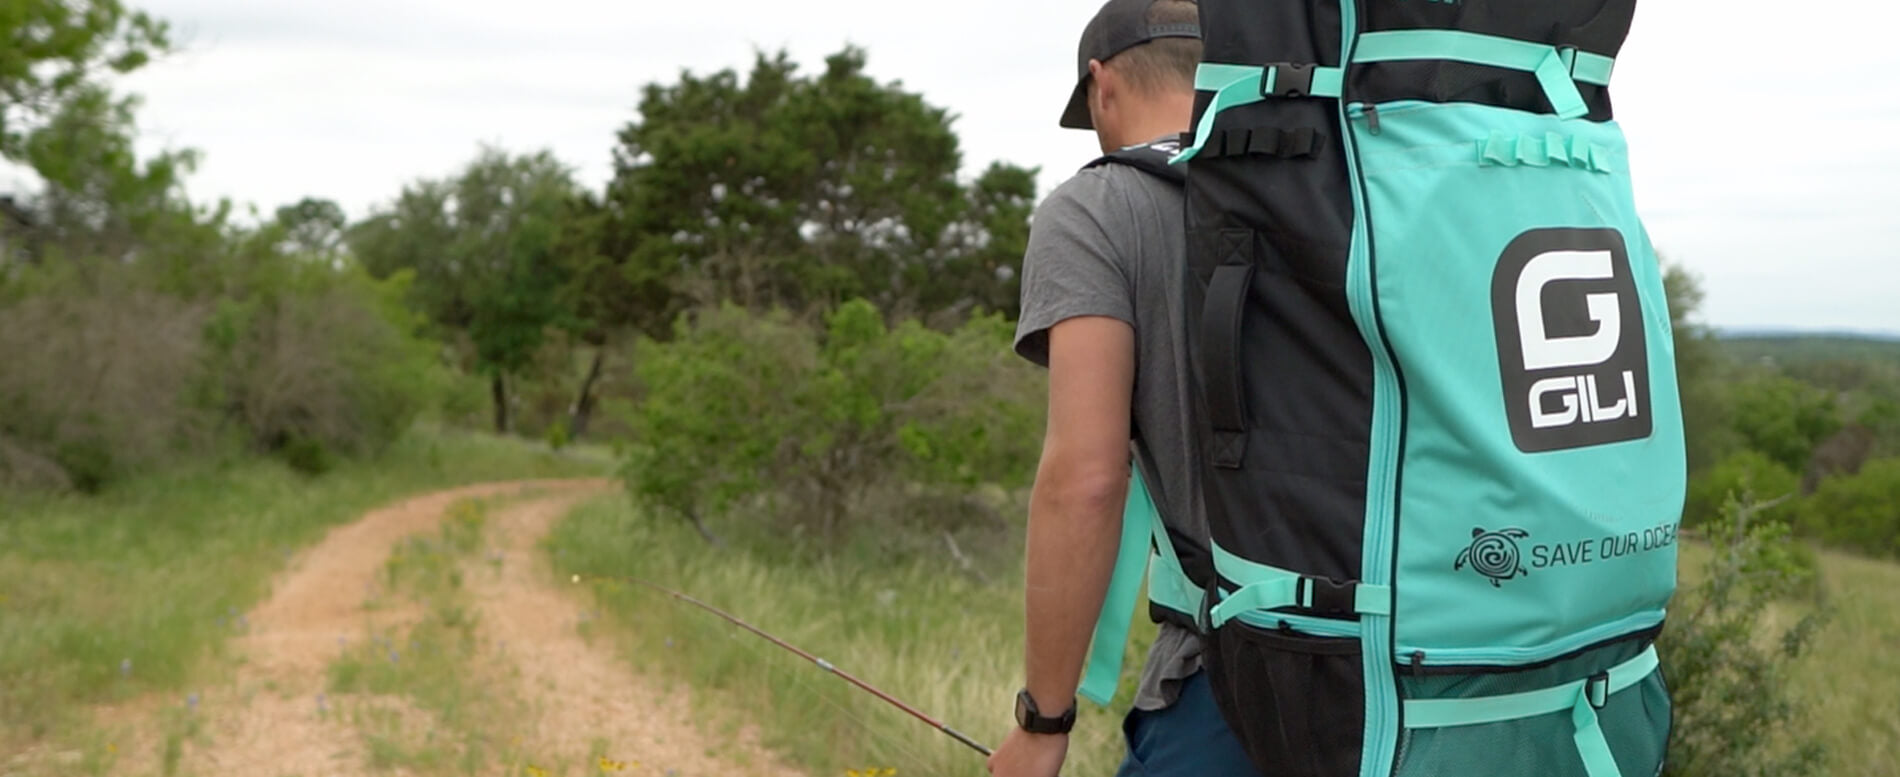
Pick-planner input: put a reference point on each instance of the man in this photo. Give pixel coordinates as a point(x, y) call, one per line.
point(1102, 307)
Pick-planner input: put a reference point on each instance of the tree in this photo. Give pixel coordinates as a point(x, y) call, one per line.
point(981, 267)
point(313, 227)
point(1697, 362)
point(99, 200)
point(484, 247)
point(1782, 417)
point(52, 49)
point(806, 191)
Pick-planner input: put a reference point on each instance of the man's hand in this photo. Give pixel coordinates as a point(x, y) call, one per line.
point(1029, 755)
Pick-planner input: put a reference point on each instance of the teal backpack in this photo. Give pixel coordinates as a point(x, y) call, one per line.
point(1443, 457)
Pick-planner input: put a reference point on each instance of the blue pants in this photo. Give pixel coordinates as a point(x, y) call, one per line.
point(1188, 739)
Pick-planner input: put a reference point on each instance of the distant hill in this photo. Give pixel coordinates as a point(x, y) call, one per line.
point(1795, 348)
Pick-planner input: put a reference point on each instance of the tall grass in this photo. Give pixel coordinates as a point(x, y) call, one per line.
point(1850, 683)
point(135, 590)
point(923, 631)
point(1849, 679)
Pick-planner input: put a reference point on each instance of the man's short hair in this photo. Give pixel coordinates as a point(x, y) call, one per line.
point(1163, 65)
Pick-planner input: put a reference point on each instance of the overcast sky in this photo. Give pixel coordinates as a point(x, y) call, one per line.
point(1753, 130)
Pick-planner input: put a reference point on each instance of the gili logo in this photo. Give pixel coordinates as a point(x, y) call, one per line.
point(1571, 352)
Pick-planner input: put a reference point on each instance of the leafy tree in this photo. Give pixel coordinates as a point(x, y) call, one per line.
point(51, 50)
point(484, 247)
point(313, 227)
point(982, 266)
point(1782, 417)
point(99, 200)
point(607, 299)
point(1698, 370)
point(806, 191)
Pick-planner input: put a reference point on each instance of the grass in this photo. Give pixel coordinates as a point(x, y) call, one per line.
point(1849, 679)
point(134, 590)
point(1851, 682)
point(919, 630)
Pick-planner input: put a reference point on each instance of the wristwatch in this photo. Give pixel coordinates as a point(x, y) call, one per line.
point(1033, 721)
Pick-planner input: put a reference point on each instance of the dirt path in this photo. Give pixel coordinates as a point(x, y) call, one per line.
point(569, 702)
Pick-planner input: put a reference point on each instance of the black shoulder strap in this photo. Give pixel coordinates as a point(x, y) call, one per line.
point(1151, 158)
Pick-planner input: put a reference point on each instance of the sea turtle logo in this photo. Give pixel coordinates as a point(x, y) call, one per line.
point(1494, 554)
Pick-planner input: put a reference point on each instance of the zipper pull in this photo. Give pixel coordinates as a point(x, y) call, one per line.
point(1418, 660)
point(1372, 119)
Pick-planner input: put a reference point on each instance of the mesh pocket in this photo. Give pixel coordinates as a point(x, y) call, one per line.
point(1296, 702)
point(1635, 723)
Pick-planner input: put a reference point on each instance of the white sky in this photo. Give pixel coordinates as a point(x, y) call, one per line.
point(1753, 126)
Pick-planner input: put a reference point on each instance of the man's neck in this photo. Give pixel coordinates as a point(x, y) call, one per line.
point(1154, 119)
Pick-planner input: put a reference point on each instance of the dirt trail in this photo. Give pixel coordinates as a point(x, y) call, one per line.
point(273, 720)
point(580, 692)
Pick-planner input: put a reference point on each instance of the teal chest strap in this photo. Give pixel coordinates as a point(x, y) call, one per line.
point(1168, 586)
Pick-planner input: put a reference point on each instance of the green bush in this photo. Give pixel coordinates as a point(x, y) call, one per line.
point(108, 375)
point(307, 456)
point(321, 355)
point(810, 427)
point(97, 378)
point(1744, 471)
point(1727, 654)
point(1859, 512)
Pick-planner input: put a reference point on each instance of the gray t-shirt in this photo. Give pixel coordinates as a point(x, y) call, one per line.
point(1109, 242)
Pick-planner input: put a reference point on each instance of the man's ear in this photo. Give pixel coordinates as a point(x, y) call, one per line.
point(1104, 84)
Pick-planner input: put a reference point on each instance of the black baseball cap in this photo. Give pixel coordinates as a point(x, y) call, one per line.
point(1119, 26)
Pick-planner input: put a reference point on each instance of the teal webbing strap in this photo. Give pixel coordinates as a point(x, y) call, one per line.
point(1545, 61)
point(1264, 587)
point(1598, 761)
point(1592, 68)
point(1168, 583)
point(1440, 713)
point(1169, 586)
point(1211, 76)
point(1262, 595)
point(1118, 607)
point(1237, 85)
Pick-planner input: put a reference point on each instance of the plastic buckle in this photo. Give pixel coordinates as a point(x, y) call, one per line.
point(1596, 690)
point(1289, 79)
point(1327, 596)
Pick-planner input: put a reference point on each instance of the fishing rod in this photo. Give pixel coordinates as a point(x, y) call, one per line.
point(821, 663)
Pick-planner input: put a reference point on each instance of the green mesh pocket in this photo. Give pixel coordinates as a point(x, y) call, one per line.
point(1635, 723)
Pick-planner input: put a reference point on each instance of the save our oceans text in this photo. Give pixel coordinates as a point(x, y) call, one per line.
point(1608, 547)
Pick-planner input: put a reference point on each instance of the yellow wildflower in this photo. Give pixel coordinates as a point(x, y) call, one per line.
point(610, 765)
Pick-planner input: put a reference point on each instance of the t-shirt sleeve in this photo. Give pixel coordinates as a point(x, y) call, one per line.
point(1072, 266)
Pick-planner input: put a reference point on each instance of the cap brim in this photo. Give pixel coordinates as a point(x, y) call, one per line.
point(1076, 116)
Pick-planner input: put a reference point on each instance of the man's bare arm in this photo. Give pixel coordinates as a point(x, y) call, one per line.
point(1076, 506)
